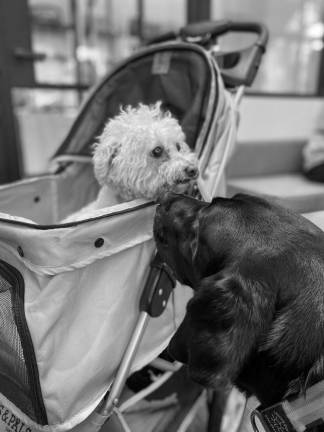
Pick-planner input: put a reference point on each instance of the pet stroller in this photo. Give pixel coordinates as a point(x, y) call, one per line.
point(77, 298)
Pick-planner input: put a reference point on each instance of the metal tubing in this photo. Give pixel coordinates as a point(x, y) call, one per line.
point(239, 95)
point(126, 362)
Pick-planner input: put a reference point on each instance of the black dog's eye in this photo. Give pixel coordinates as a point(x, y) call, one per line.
point(157, 151)
point(178, 146)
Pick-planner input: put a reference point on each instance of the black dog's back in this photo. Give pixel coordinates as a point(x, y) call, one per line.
point(257, 316)
point(287, 254)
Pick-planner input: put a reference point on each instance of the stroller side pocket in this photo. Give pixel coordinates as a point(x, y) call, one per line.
point(19, 380)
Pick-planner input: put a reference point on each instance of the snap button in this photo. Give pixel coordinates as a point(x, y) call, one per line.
point(99, 242)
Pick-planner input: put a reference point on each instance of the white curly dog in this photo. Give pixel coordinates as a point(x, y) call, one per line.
point(141, 153)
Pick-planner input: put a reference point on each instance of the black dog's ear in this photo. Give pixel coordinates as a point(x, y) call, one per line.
point(224, 319)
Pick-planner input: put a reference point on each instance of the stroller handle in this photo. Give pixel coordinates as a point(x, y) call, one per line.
point(236, 67)
point(164, 37)
point(212, 29)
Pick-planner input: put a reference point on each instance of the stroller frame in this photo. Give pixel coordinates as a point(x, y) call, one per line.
point(160, 281)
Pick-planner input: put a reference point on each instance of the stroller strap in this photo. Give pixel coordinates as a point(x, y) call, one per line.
point(293, 415)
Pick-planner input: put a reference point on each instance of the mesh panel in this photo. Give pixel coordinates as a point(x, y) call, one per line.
point(184, 90)
point(16, 380)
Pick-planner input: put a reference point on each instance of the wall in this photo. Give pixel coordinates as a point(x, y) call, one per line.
point(262, 120)
point(279, 118)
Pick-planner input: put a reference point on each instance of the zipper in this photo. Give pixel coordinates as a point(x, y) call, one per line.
point(72, 224)
point(13, 276)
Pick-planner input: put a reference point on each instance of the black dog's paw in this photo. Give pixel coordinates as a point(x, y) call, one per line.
point(315, 374)
point(223, 322)
point(299, 386)
point(192, 348)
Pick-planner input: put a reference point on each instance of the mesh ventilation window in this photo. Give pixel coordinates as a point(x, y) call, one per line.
point(18, 382)
point(184, 90)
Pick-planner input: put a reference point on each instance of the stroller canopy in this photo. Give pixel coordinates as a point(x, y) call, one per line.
point(180, 76)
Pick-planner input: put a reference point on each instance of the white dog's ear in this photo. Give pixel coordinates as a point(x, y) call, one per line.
point(103, 156)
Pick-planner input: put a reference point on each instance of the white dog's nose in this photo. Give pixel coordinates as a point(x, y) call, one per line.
point(191, 172)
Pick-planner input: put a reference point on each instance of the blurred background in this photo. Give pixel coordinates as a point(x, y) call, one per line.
point(53, 51)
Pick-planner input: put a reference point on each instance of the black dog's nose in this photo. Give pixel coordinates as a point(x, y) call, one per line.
point(191, 172)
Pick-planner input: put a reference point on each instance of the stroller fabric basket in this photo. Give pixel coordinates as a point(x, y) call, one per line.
point(70, 293)
point(66, 323)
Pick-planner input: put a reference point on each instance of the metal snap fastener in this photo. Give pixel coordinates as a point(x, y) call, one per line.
point(99, 242)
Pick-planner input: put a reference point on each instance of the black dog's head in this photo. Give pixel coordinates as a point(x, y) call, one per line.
point(176, 227)
point(258, 274)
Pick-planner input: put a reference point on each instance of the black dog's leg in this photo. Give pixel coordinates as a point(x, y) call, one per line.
point(224, 321)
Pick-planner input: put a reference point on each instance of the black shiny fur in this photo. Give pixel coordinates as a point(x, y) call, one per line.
point(257, 316)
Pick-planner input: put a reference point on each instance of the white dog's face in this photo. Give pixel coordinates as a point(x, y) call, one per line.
point(142, 153)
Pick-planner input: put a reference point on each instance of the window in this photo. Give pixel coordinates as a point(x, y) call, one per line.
point(293, 59)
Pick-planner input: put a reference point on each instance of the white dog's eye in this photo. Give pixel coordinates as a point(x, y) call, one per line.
point(178, 146)
point(157, 151)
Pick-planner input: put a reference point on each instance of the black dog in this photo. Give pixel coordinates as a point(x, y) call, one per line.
point(257, 316)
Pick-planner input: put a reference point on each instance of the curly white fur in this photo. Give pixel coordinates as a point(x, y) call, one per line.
point(124, 161)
